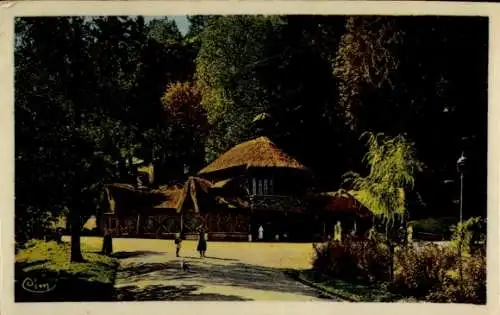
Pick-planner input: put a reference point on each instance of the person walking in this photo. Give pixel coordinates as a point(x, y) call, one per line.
point(178, 241)
point(261, 233)
point(202, 244)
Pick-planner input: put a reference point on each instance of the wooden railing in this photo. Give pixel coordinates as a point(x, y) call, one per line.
point(277, 203)
point(214, 221)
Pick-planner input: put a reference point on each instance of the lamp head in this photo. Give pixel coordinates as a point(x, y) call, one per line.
point(461, 163)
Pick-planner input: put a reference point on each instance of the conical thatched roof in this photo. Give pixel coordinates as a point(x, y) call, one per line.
point(195, 190)
point(258, 153)
point(198, 195)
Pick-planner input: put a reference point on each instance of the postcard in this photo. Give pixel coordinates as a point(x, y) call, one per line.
point(325, 152)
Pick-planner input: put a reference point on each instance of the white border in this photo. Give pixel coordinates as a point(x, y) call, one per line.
point(37, 8)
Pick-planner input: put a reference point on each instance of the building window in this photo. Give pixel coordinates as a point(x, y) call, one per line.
point(262, 187)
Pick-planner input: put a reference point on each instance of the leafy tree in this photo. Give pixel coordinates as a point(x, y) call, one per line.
point(55, 92)
point(197, 24)
point(406, 75)
point(188, 119)
point(164, 31)
point(392, 166)
point(84, 139)
point(279, 66)
point(301, 101)
point(366, 60)
point(232, 50)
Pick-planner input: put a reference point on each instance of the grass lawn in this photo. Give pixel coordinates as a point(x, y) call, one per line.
point(45, 266)
point(354, 291)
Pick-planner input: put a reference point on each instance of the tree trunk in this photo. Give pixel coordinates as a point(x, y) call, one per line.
point(76, 251)
point(404, 223)
point(182, 223)
point(391, 263)
point(139, 225)
point(107, 244)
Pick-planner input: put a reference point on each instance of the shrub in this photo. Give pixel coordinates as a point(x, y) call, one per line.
point(474, 282)
point(472, 289)
point(424, 272)
point(351, 259)
point(431, 272)
point(373, 259)
point(335, 260)
point(469, 236)
point(421, 269)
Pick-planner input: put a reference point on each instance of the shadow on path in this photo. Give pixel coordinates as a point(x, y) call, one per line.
point(171, 293)
point(224, 259)
point(124, 255)
point(144, 281)
point(208, 257)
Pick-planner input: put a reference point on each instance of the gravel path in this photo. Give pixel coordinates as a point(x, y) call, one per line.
point(150, 271)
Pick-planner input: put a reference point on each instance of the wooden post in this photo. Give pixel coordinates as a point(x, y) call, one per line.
point(250, 231)
point(119, 225)
point(138, 223)
point(182, 222)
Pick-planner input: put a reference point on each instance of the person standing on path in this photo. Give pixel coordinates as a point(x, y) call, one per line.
point(178, 241)
point(202, 244)
point(261, 233)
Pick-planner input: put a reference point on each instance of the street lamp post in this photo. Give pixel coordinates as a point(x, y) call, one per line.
point(461, 194)
point(460, 168)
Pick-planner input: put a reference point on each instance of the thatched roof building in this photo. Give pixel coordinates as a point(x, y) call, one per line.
point(172, 196)
point(200, 194)
point(253, 184)
point(126, 198)
point(257, 153)
point(341, 201)
point(196, 193)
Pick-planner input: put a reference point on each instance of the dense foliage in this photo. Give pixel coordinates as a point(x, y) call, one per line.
point(449, 272)
point(423, 269)
point(91, 93)
point(433, 273)
point(392, 169)
point(350, 259)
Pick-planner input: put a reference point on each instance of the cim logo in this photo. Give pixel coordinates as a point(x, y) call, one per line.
point(35, 285)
